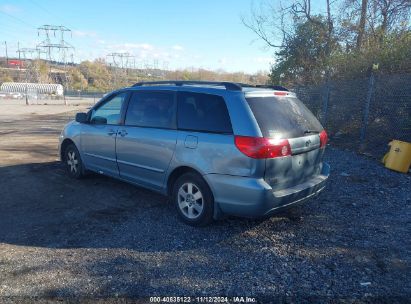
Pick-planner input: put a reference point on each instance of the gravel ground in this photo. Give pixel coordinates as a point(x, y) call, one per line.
point(98, 237)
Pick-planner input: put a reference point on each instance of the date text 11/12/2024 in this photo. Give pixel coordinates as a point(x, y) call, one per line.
point(203, 299)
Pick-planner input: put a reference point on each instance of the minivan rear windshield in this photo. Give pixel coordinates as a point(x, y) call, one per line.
point(283, 117)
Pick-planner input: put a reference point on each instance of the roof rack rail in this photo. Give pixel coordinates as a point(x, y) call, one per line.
point(228, 85)
point(232, 86)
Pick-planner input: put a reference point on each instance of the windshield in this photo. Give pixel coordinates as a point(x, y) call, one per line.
point(283, 117)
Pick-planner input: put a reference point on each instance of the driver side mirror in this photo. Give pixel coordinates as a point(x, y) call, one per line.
point(81, 117)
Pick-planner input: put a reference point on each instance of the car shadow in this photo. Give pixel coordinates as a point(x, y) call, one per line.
point(41, 206)
point(128, 241)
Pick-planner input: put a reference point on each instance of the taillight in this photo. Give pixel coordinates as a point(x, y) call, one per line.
point(323, 139)
point(260, 147)
point(280, 93)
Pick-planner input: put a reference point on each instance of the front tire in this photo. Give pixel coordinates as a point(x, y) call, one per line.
point(73, 162)
point(193, 200)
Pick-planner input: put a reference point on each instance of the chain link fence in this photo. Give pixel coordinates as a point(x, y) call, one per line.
point(72, 96)
point(363, 114)
point(84, 94)
point(34, 97)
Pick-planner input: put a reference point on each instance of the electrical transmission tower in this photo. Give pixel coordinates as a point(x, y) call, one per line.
point(120, 63)
point(49, 44)
point(56, 47)
point(120, 60)
point(29, 55)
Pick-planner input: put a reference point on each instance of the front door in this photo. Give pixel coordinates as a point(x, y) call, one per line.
point(146, 142)
point(98, 137)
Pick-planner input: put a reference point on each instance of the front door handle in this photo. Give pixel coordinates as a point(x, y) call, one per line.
point(123, 133)
point(111, 132)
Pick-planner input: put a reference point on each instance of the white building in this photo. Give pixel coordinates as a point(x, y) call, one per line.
point(33, 88)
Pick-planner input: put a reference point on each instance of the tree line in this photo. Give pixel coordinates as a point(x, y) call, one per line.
point(337, 39)
point(98, 76)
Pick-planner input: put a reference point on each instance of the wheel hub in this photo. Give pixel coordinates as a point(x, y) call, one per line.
point(190, 200)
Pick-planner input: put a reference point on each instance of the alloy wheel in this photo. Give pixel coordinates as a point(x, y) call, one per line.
point(190, 200)
point(72, 161)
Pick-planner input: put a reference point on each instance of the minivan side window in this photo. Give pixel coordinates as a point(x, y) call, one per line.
point(151, 109)
point(110, 111)
point(202, 112)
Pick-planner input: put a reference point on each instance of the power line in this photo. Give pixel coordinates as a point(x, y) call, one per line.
point(10, 25)
point(8, 34)
point(50, 13)
point(18, 19)
point(42, 8)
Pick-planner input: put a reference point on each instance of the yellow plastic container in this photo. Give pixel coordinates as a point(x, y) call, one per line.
point(399, 156)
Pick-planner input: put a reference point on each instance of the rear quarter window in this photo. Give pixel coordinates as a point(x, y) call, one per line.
point(283, 117)
point(203, 113)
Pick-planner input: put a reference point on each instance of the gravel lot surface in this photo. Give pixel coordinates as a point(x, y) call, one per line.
point(99, 237)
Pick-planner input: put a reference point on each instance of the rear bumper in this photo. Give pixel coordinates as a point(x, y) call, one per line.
point(251, 197)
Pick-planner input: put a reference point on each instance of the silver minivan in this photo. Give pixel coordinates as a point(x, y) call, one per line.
point(215, 148)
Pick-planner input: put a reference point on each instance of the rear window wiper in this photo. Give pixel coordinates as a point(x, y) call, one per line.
point(311, 131)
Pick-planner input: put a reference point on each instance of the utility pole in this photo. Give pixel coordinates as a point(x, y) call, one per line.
point(7, 57)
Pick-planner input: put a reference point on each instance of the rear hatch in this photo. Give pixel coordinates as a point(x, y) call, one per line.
point(283, 116)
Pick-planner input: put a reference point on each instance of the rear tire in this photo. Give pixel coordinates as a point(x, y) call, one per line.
point(73, 163)
point(193, 200)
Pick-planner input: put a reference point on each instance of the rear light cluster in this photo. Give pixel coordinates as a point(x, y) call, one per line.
point(323, 139)
point(260, 147)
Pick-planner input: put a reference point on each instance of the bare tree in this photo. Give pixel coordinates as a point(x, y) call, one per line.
point(303, 8)
point(330, 26)
point(268, 23)
point(371, 20)
point(392, 12)
point(361, 26)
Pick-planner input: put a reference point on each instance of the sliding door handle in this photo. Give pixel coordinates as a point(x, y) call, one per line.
point(123, 133)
